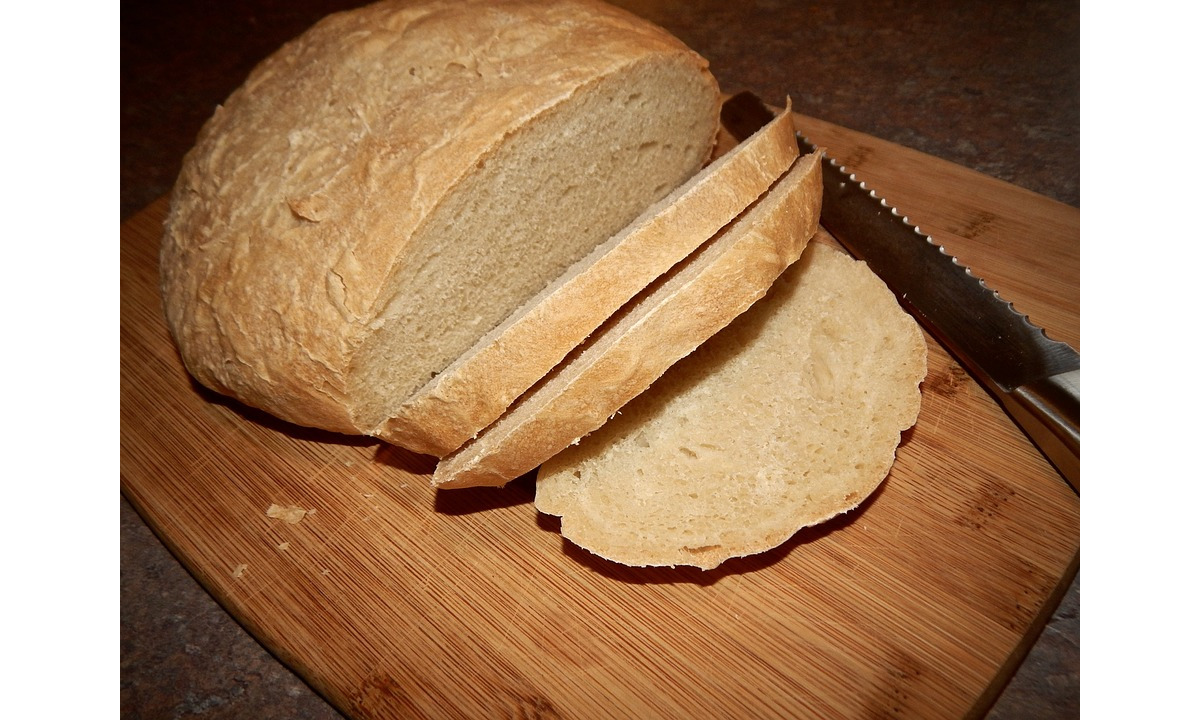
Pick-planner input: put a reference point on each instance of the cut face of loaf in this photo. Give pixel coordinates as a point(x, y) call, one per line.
point(788, 417)
point(388, 187)
point(477, 387)
point(653, 331)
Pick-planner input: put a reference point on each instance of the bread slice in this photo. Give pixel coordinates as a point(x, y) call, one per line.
point(476, 388)
point(657, 328)
point(788, 417)
point(388, 187)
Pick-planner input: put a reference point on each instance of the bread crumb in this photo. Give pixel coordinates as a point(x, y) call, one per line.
point(313, 208)
point(240, 570)
point(290, 514)
point(284, 545)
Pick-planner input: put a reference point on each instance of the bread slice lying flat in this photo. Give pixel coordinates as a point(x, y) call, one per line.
point(786, 418)
point(387, 188)
point(657, 328)
point(476, 388)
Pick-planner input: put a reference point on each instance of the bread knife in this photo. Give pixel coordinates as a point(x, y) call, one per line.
point(1035, 379)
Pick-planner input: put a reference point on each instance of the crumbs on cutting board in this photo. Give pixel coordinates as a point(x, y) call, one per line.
point(240, 570)
point(289, 514)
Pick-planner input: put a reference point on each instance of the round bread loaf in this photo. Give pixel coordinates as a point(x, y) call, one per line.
point(386, 188)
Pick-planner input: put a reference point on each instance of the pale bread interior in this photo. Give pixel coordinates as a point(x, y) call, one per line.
point(537, 205)
point(664, 323)
point(476, 388)
point(788, 417)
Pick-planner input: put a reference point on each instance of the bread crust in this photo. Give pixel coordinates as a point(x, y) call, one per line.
point(663, 324)
point(291, 222)
point(475, 390)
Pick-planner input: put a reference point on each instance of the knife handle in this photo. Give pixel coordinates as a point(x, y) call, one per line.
point(1048, 411)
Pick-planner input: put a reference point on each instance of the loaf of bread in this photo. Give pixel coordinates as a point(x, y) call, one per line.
point(385, 189)
point(477, 387)
point(786, 418)
point(664, 323)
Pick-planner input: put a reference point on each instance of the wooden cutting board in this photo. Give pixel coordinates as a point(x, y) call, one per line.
point(395, 600)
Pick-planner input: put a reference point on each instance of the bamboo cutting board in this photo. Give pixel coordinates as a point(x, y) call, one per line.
point(395, 600)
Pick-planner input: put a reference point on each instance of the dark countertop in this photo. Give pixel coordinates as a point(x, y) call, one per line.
point(991, 86)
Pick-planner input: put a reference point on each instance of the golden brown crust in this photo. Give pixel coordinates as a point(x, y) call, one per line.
point(475, 390)
point(663, 324)
point(291, 218)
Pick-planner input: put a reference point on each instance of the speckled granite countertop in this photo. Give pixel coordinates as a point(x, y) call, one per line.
point(991, 86)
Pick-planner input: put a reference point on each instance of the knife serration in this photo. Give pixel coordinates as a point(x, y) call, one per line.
point(1036, 379)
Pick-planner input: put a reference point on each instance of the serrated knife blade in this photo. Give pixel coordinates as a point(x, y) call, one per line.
point(1034, 378)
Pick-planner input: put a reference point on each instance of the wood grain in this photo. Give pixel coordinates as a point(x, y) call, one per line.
point(395, 600)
